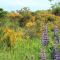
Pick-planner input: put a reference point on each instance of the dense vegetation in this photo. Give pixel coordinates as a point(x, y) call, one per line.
point(27, 35)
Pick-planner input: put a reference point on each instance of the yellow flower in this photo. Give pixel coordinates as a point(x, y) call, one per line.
point(30, 24)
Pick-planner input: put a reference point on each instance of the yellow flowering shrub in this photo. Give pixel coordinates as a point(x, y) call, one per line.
point(30, 24)
point(13, 36)
point(13, 14)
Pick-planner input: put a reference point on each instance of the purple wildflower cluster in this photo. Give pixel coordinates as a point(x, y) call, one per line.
point(56, 54)
point(45, 41)
point(45, 36)
point(56, 35)
point(43, 55)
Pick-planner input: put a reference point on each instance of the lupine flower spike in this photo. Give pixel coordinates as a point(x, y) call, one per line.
point(45, 36)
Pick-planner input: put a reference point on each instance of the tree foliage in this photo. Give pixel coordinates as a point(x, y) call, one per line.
point(2, 13)
point(56, 9)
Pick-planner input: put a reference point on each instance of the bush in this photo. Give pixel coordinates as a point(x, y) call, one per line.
point(56, 11)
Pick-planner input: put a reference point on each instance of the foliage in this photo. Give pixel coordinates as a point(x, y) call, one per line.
point(2, 13)
point(21, 34)
point(56, 11)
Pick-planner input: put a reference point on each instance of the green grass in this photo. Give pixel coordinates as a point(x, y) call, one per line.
point(24, 50)
point(27, 49)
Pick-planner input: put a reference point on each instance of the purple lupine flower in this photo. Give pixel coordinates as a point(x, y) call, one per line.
point(45, 36)
point(56, 35)
point(56, 54)
point(43, 55)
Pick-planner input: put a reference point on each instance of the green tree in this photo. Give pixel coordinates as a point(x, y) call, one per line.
point(26, 16)
point(50, 0)
point(24, 11)
point(2, 13)
point(56, 9)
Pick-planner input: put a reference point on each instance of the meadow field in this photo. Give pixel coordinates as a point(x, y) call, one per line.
point(30, 35)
